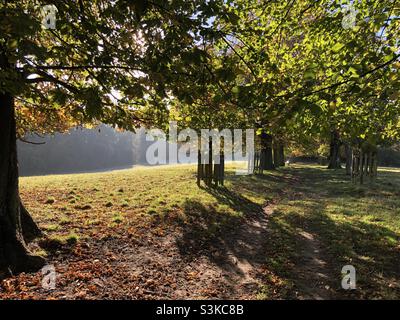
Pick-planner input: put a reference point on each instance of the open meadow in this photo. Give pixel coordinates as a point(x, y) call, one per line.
point(150, 232)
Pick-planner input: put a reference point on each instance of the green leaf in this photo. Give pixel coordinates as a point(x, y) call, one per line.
point(388, 57)
point(353, 72)
point(309, 75)
point(337, 47)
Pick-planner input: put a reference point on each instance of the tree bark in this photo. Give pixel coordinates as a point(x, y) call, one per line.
point(14, 256)
point(334, 160)
point(279, 155)
point(348, 158)
point(354, 165)
point(361, 167)
point(276, 156)
point(30, 230)
point(266, 149)
point(281, 151)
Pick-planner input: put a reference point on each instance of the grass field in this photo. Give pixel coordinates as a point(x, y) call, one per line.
point(152, 233)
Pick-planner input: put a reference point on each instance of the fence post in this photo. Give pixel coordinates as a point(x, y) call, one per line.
point(209, 165)
point(222, 168)
point(216, 173)
point(361, 167)
point(199, 168)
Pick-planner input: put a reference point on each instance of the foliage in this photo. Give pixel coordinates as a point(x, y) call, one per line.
point(289, 66)
point(105, 61)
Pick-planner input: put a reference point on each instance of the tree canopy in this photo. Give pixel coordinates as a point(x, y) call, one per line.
point(284, 64)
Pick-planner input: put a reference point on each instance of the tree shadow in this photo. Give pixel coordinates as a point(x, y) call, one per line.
point(231, 243)
point(276, 243)
point(235, 201)
point(357, 243)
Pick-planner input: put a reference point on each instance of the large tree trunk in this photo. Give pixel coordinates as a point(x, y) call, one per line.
point(334, 159)
point(30, 230)
point(281, 151)
point(279, 154)
point(266, 149)
point(349, 153)
point(14, 255)
point(276, 155)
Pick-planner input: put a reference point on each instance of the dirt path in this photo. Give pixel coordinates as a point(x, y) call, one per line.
point(313, 275)
point(232, 268)
point(155, 268)
point(228, 267)
point(241, 258)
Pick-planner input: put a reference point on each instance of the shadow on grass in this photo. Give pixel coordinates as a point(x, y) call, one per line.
point(233, 243)
point(368, 247)
point(276, 244)
point(208, 232)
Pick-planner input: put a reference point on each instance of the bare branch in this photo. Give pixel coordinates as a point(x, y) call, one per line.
point(30, 142)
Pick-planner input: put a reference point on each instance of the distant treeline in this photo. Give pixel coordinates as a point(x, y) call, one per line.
point(389, 157)
point(104, 148)
point(78, 150)
point(82, 150)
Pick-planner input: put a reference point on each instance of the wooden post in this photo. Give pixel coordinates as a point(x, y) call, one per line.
point(199, 168)
point(222, 168)
point(217, 169)
point(262, 161)
point(356, 166)
point(211, 172)
point(353, 164)
point(374, 157)
point(256, 165)
point(210, 162)
point(250, 163)
point(361, 167)
point(369, 162)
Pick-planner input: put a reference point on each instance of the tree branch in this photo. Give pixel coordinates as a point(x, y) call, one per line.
point(85, 67)
point(51, 78)
point(240, 57)
point(349, 80)
point(30, 142)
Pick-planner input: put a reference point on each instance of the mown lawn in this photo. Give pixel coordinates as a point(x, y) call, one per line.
point(316, 222)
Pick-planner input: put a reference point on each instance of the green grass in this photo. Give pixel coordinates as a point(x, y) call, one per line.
point(358, 225)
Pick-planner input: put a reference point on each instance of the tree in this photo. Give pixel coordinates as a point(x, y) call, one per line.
point(105, 61)
point(302, 69)
point(284, 65)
